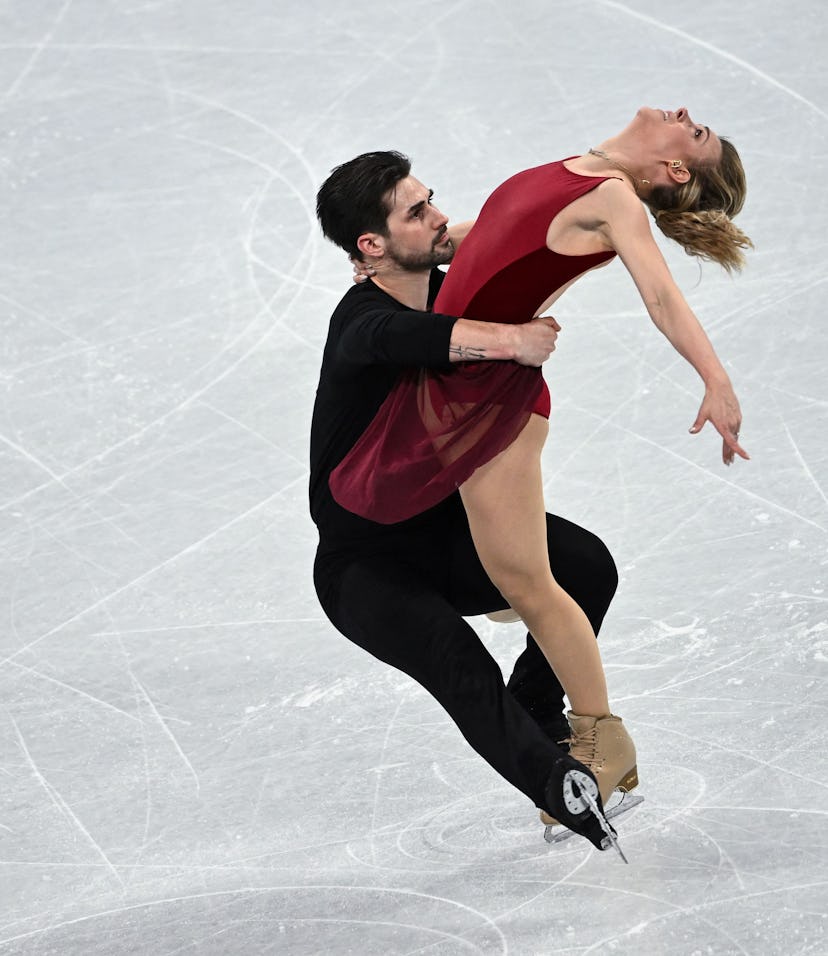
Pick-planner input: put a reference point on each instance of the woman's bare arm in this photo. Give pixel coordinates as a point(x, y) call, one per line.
point(459, 231)
point(627, 230)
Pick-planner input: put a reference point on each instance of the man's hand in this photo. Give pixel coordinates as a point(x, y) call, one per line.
point(535, 340)
point(720, 407)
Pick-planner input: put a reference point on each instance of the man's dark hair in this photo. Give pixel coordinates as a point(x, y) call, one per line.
point(352, 200)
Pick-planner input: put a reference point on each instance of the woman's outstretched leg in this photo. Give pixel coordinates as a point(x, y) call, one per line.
point(507, 516)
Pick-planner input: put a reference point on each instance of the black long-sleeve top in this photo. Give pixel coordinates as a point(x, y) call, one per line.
point(372, 337)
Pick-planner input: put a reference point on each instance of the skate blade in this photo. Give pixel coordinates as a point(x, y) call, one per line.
point(626, 801)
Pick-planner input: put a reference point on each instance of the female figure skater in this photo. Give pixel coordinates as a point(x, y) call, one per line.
point(482, 426)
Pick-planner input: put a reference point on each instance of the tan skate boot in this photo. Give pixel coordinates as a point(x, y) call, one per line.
point(508, 616)
point(603, 745)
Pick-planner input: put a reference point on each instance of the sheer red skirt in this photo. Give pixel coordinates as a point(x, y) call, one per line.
point(431, 433)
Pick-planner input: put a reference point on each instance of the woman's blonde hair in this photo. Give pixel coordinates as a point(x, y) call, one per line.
point(698, 214)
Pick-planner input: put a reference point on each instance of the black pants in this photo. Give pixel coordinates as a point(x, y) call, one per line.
point(403, 598)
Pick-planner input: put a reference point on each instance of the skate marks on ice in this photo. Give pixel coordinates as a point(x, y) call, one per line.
point(312, 919)
point(695, 873)
point(447, 816)
point(488, 829)
point(167, 294)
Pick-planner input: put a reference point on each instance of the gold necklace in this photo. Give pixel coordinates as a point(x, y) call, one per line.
point(602, 155)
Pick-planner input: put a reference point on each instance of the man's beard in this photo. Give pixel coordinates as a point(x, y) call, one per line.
point(420, 261)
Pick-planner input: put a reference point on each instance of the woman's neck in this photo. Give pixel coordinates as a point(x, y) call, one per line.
point(612, 154)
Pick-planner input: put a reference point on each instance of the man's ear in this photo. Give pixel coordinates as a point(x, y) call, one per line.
point(371, 245)
point(677, 171)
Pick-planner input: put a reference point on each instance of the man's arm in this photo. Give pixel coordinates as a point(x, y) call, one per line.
point(432, 340)
point(530, 343)
point(371, 333)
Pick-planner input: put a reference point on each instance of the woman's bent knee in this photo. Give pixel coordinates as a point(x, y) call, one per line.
point(528, 591)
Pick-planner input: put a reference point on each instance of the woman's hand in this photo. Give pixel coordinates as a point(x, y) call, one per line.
point(721, 408)
point(362, 270)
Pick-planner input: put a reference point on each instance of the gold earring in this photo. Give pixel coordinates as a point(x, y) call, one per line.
point(675, 163)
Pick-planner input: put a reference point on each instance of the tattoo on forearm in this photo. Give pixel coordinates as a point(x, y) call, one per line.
point(468, 352)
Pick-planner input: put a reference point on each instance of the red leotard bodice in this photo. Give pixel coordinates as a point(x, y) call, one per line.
point(435, 429)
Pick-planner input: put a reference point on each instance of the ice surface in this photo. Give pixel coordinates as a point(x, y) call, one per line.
point(191, 759)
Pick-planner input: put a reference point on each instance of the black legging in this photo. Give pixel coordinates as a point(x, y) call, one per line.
point(403, 600)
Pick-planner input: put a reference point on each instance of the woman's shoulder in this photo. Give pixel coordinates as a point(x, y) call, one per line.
point(617, 196)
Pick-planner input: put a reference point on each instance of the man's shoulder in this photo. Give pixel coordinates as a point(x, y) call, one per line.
point(363, 295)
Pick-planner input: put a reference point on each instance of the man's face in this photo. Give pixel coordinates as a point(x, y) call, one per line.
point(417, 238)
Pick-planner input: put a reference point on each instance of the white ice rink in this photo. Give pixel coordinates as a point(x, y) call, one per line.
point(192, 760)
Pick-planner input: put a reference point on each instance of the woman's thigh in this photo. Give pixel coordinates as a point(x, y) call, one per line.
point(505, 507)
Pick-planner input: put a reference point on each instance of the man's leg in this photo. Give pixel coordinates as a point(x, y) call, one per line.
point(397, 615)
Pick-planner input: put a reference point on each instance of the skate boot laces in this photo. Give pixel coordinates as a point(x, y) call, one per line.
point(582, 748)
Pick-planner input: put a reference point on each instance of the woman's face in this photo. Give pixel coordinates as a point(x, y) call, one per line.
point(674, 135)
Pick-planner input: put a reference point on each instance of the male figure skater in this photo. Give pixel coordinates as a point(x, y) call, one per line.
point(401, 591)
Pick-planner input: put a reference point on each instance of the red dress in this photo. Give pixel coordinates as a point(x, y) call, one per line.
point(434, 429)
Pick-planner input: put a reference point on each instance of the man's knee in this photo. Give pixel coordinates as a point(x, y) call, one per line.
point(603, 564)
point(583, 565)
